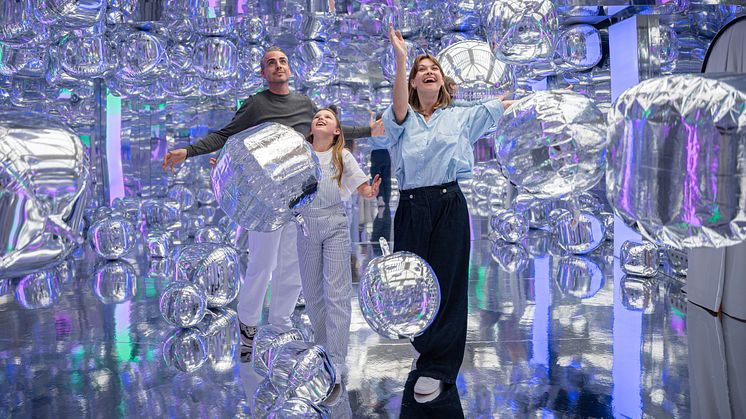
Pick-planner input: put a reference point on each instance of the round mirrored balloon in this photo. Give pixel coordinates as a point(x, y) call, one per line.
point(112, 238)
point(43, 180)
point(22, 61)
point(267, 341)
point(677, 159)
point(208, 235)
point(471, 63)
point(183, 195)
point(296, 407)
point(129, 208)
point(552, 143)
point(251, 29)
point(577, 276)
point(84, 56)
point(302, 369)
point(70, 14)
point(638, 294)
point(115, 282)
point(220, 332)
point(142, 56)
point(39, 290)
point(159, 243)
point(314, 64)
point(535, 211)
point(399, 294)
point(215, 58)
point(185, 350)
point(192, 223)
point(159, 213)
point(180, 57)
point(579, 46)
point(212, 267)
point(522, 31)
point(578, 233)
point(510, 226)
point(264, 176)
point(183, 304)
point(641, 259)
point(17, 22)
point(512, 257)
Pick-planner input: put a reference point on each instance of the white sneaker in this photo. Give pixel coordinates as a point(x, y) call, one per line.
point(334, 396)
point(427, 389)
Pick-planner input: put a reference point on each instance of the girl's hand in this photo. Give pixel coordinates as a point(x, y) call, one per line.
point(397, 42)
point(376, 126)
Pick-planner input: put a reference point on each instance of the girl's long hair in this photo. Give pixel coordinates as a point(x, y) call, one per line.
point(337, 146)
point(444, 97)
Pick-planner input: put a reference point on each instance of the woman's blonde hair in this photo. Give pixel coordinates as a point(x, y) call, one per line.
point(444, 98)
point(337, 146)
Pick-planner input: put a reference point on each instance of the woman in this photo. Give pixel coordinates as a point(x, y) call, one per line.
point(430, 143)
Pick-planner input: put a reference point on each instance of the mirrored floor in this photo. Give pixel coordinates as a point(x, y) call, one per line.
point(549, 336)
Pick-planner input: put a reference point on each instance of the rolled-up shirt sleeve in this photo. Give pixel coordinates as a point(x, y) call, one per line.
point(481, 117)
point(394, 131)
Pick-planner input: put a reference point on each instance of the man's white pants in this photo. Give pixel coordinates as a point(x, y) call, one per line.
point(274, 255)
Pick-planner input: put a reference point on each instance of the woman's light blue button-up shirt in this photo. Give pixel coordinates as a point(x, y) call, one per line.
point(437, 151)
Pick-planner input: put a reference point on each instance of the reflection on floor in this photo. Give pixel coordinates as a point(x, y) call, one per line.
point(548, 336)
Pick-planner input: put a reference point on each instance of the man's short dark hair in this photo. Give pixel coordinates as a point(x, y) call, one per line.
point(267, 51)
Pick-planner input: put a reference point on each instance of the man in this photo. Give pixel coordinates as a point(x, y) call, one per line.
point(270, 254)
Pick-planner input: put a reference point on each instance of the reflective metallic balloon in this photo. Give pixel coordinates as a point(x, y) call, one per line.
point(115, 282)
point(159, 213)
point(471, 63)
point(265, 397)
point(296, 407)
point(39, 289)
point(302, 322)
point(313, 63)
point(251, 29)
point(142, 56)
point(26, 61)
point(302, 369)
point(183, 195)
point(267, 341)
point(192, 223)
point(212, 267)
point(399, 294)
point(588, 201)
point(264, 176)
point(180, 56)
point(17, 22)
point(43, 182)
point(512, 257)
point(112, 238)
point(220, 332)
point(84, 56)
point(579, 46)
point(129, 208)
point(522, 31)
point(183, 304)
point(208, 235)
point(669, 48)
point(510, 226)
point(388, 59)
point(552, 143)
point(70, 14)
point(316, 26)
point(608, 220)
point(215, 58)
point(677, 159)
point(579, 234)
point(638, 294)
point(641, 259)
point(206, 197)
point(535, 211)
point(185, 350)
point(577, 276)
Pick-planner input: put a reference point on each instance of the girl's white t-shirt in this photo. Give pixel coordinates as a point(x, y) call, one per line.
point(352, 175)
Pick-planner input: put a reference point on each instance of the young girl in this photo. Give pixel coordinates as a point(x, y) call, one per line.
point(430, 143)
point(326, 274)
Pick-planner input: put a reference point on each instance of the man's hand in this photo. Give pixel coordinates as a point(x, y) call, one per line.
point(174, 157)
point(376, 126)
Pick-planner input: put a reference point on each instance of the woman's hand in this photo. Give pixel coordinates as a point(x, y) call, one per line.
point(397, 42)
